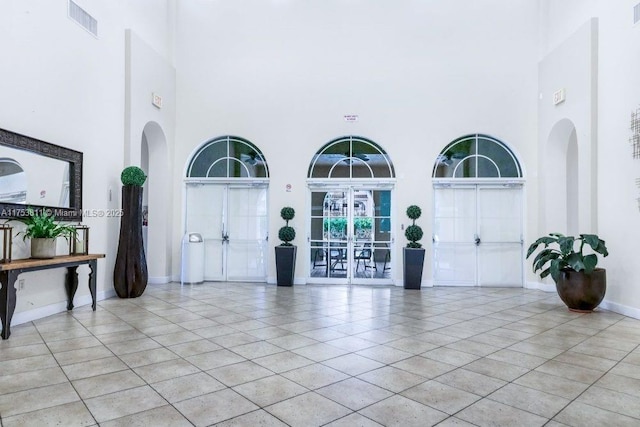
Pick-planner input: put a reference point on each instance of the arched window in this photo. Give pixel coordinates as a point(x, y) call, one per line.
point(228, 157)
point(351, 157)
point(477, 156)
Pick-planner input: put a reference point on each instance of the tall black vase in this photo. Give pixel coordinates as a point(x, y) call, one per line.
point(130, 273)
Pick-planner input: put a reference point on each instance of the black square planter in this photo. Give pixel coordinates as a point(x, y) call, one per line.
point(413, 262)
point(285, 265)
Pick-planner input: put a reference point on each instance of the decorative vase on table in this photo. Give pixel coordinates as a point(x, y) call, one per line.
point(130, 273)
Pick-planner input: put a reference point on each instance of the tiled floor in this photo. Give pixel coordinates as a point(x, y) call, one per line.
point(259, 355)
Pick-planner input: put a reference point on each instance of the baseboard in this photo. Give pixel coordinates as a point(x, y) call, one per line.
point(272, 280)
point(60, 307)
point(160, 280)
point(545, 287)
point(620, 309)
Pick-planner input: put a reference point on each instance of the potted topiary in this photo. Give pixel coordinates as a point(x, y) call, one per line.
point(130, 272)
point(580, 285)
point(286, 252)
point(413, 254)
point(43, 230)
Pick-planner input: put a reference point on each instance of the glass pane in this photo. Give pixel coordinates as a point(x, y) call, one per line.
point(351, 158)
point(360, 168)
point(465, 168)
point(205, 158)
point(500, 215)
point(500, 264)
point(250, 162)
point(486, 168)
point(455, 264)
point(500, 155)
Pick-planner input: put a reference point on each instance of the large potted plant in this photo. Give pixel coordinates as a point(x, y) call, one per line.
point(413, 253)
point(286, 251)
point(580, 284)
point(130, 273)
point(43, 230)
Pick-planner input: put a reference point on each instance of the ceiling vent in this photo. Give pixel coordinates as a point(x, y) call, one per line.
point(81, 16)
point(636, 13)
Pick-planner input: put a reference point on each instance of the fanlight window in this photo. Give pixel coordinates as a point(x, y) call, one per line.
point(351, 157)
point(228, 157)
point(477, 156)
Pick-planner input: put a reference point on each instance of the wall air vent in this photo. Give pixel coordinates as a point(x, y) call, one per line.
point(636, 13)
point(81, 16)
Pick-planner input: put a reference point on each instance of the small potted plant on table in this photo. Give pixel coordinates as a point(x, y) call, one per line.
point(286, 252)
point(43, 230)
point(580, 285)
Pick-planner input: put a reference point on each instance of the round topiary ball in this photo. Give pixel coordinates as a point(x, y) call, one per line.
point(133, 175)
point(414, 212)
point(286, 234)
point(287, 213)
point(413, 233)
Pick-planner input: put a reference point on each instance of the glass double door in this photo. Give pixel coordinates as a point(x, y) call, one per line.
point(234, 225)
point(350, 239)
point(477, 239)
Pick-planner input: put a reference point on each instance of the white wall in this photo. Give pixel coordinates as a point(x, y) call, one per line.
point(419, 74)
point(618, 94)
point(61, 84)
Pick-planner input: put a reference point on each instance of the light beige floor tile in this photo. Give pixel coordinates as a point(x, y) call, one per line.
point(610, 400)
point(69, 414)
point(239, 373)
point(123, 403)
point(36, 399)
point(31, 379)
point(353, 420)
point(186, 387)
point(450, 356)
point(354, 393)
point(621, 384)
point(441, 396)
point(282, 362)
point(133, 346)
point(423, 366)
point(107, 383)
point(215, 359)
point(496, 369)
point(21, 352)
point(352, 364)
point(552, 384)
point(194, 347)
point(530, 400)
point(384, 354)
point(580, 414)
point(256, 349)
point(471, 381)
point(269, 390)
point(148, 357)
point(626, 370)
point(516, 358)
point(490, 413)
point(215, 407)
point(234, 339)
point(571, 372)
point(401, 411)
point(93, 368)
point(315, 376)
point(259, 418)
point(72, 344)
point(393, 379)
point(309, 409)
point(161, 371)
point(162, 416)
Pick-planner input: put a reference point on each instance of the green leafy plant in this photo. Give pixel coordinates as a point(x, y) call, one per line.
point(133, 175)
point(413, 233)
point(42, 224)
point(552, 260)
point(287, 233)
point(335, 228)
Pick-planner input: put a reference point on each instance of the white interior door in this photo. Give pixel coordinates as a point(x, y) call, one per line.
point(247, 234)
point(233, 224)
point(477, 238)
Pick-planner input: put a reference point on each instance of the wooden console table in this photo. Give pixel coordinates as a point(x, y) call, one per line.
point(9, 273)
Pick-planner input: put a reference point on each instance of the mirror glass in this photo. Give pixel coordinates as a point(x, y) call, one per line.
point(41, 175)
point(46, 183)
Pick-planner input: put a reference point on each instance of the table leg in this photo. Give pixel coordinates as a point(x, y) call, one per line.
point(93, 267)
point(7, 300)
point(71, 285)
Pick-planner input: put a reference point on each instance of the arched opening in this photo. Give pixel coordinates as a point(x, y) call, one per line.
point(156, 226)
point(477, 214)
point(560, 180)
point(226, 185)
point(351, 181)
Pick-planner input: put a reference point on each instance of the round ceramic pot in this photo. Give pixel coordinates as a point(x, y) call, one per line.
point(582, 292)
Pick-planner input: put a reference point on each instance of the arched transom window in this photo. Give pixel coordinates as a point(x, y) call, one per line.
point(351, 157)
point(228, 157)
point(477, 156)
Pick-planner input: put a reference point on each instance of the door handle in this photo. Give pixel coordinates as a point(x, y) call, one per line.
point(225, 237)
point(477, 240)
